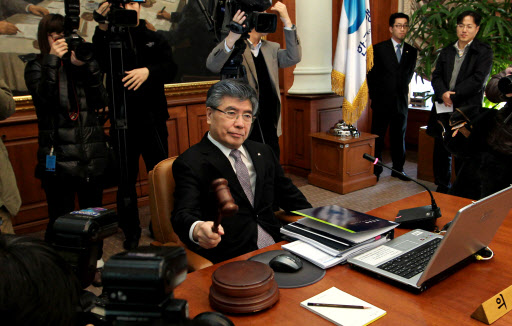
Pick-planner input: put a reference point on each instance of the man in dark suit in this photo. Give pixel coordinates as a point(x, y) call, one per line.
point(462, 70)
point(255, 178)
point(388, 82)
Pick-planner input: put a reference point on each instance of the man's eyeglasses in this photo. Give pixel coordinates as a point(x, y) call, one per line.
point(468, 27)
point(233, 115)
point(400, 26)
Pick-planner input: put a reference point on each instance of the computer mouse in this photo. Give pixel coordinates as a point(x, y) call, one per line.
point(285, 263)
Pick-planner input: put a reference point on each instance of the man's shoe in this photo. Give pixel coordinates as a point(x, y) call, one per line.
point(400, 176)
point(131, 243)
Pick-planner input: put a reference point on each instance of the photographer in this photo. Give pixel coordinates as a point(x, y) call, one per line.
point(37, 287)
point(148, 64)
point(495, 172)
point(67, 95)
point(262, 60)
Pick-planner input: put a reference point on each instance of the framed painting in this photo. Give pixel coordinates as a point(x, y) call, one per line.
point(182, 23)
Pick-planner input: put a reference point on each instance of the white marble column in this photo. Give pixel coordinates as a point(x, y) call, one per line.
point(314, 25)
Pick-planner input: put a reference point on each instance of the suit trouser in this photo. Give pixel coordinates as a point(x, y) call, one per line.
point(397, 123)
point(150, 141)
point(442, 165)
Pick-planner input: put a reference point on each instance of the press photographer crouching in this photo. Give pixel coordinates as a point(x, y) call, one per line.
point(68, 95)
point(495, 171)
point(138, 63)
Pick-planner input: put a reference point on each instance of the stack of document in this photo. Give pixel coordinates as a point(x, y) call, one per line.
point(337, 232)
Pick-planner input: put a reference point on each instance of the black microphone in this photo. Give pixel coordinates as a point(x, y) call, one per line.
point(413, 218)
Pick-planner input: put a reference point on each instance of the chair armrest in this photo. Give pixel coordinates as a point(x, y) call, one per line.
point(285, 218)
point(194, 261)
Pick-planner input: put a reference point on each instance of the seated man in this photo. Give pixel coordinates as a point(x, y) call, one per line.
point(250, 168)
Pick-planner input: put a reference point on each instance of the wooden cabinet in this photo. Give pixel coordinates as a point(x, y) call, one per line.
point(338, 164)
point(307, 114)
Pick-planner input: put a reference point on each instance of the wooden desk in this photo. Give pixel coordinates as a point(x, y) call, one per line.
point(450, 302)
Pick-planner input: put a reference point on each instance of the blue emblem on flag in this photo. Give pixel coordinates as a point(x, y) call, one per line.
point(356, 12)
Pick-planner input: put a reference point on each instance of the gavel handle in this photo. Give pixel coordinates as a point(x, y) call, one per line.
point(215, 227)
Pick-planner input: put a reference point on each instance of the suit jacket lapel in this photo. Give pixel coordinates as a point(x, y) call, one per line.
point(258, 160)
point(222, 164)
point(250, 65)
point(267, 52)
point(391, 48)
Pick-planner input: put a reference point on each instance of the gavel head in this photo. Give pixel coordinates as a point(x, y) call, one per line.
point(227, 206)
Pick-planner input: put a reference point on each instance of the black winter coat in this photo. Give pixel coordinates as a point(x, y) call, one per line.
point(142, 48)
point(66, 98)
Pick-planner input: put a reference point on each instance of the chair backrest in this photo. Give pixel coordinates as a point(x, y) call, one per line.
point(161, 201)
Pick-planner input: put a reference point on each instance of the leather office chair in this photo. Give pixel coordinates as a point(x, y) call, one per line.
point(161, 201)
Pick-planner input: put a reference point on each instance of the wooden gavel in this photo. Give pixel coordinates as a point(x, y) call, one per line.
point(226, 203)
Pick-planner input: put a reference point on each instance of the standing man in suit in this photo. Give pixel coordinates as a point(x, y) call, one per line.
point(388, 83)
point(262, 60)
point(254, 176)
point(462, 70)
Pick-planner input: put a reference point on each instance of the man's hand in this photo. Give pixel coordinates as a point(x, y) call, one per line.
point(163, 15)
point(75, 61)
point(283, 14)
point(7, 28)
point(134, 78)
point(238, 18)
point(59, 48)
point(150, 26)
point(446, 98)
point(103, 10)
point(38, 10)
point(205, 236)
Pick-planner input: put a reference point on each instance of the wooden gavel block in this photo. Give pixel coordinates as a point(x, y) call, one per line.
point(226, 203)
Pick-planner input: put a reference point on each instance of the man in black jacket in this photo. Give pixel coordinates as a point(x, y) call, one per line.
point(462, 70)
point(148, 65)
point(230, 104)
point(388, 82)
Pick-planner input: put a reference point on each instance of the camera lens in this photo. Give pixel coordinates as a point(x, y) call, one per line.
point(84, 51)
point(505, 84)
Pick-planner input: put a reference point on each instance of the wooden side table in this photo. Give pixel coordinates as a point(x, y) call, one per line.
point(337, 163)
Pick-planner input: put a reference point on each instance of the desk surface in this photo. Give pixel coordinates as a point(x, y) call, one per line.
point(450, 302)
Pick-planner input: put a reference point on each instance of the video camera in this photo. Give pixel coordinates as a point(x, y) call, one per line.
point(83, 50)
point(78, 238)
point(505, 85)
point(260, 21)
point(118, 16)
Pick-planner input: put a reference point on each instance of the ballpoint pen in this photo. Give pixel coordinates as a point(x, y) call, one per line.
point(335, 305)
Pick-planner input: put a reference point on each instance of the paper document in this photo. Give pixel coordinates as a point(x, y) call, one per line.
point(26, 31)
point(343, 316)
point(323, 259)
point(441, 108)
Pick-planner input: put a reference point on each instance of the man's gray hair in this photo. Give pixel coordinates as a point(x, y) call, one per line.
point(233, 88)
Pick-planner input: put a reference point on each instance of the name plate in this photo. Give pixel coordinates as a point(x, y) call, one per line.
point(494, 308)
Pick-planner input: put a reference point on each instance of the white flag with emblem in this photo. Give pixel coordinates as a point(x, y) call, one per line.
point(353, 58)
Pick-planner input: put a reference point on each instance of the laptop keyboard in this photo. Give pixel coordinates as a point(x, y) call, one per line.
point(412, 262)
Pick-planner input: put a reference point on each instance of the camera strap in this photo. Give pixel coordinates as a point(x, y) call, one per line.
point(66, 82)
